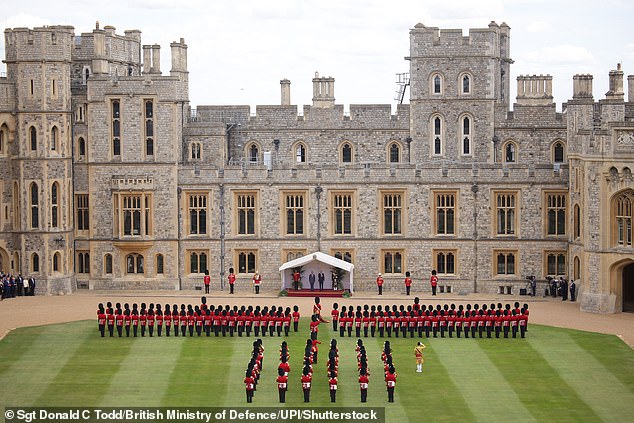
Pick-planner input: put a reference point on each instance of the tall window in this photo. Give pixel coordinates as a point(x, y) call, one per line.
point(556, 263)
point(510, 152)
point(83, 212)
point(253, 153)
point(294, 205)
point(556, 213)
point(245, 209)
point(577, 221)
point(392, 262)
point(3, 140)
point(134, 264)
point(445, 262)
point(445, 213)
point(115, 107)
point(54, 138)
point(35, 208)
point(132, 215)
point(346, 153)
point(505, 262)
point(82, 147)
point(107, 260)
point(247, 261)
point(395, 153)
point(149, 127)
point(505, 213)
point(437, 84)
point(300, 153)
point(342, 213)
point(198, 214)
point(33, 138)
point(35, 263)
point(55, 205)
point(198, 262)
point(558, 152)
point(83, 262)
point(437, 136)
point(623, 218)
point(466, 136)
point(392, 213)
point(466, 84)
point(196, 149)
point(57, 261)
point(160, 264)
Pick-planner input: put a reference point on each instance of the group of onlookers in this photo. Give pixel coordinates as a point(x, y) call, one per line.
point(12, 286)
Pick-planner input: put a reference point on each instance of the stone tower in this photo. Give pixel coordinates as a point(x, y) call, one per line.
point(38, 69)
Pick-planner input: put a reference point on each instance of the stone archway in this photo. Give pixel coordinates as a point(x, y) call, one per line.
point(5, 263)
point(628, 287)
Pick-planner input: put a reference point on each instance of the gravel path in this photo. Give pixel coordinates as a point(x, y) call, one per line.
point(41, 310)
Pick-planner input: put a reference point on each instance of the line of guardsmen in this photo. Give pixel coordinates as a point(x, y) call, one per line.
point(196, 320)
point(364, 371)
point(389, 370)
point(417, 319)
point(252, 374)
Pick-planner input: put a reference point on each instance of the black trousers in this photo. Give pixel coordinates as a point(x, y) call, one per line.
point(206, 289)
point(249, 395)
point(458, 331)
point(372, 330)
point(333, 395)
point(407, 290)
point(119, 331)
point(230, 288)
point(433, 290)
point(111, 330)
point(102, 330)
point(135, 328)
point(506, 331)
point(342, 329)
point(364, 395)
point(451, 331)
point(151, 330)
point(334, 324)
point(381, 331)
point(257, 289)
point(282, 394)
point(380, 290)
point(191, 331)
point(295, 326)
point(127, 331)
point(390, 394)
point(497, 331)
point(306, 395)
point(522, 331)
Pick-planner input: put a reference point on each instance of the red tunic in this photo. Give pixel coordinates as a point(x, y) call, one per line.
point(119, 319)
point(390, 380)
point(101, 318)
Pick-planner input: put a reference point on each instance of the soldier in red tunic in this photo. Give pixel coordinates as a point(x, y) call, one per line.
point(306, 382)
point(334, 314)
point(249, 384)
point(364, 381)
point(101, 320)
point(232, 279)
point(282, 381)
point(390, 382)
point(332, 384)
point(433, 282)
point(379, 283)
point(119, 321)
point(408, 283)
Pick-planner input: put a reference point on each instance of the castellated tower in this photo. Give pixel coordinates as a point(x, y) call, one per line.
point(39, 235)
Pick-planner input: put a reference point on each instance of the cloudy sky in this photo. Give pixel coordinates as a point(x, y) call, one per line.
point(239, 50)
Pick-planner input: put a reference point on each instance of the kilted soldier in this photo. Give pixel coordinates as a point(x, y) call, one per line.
point(111, 320)
point(364, 382)
point(101, 320)
point(119, 321)
point(306, 382)
point(282, 381)
point(249, 384)
point(390, 382)
point(332, 384)
point(334, 314)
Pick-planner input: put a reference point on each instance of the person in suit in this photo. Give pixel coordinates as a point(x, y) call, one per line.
point(573, 290)
point(311, 280)
point(321, 278)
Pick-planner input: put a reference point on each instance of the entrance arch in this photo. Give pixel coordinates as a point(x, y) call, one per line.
point(628, 288)
point(5, 263)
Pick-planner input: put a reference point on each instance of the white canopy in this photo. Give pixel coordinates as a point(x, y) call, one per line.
point(314, 263)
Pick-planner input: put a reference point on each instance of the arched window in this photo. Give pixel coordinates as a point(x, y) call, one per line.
point(3, 140)
point(55, 205)
point(35, 211)
point(35, 262)
point(437, 84)
point(300, 153)
point(395, 153)
point(576, 268)
point(196, 150)
point(466, 136)
point(346, 153)
point(33, 138)
point(622, 218)
point(159, 264)
point(134, 263)
point(510, 152)
point(107, 264)
point(558, 152)
point(437, 136)
point(57, 259)
point(54, 137)
point(253, 153)
point(83, 262)
point(82, 147)
point(466, 84)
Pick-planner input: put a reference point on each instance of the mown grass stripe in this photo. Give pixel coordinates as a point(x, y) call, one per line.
point(153, 359)
point(594, 384)
point(538, 385)
point(81, 383)
point(464, 357)
point(23, 359)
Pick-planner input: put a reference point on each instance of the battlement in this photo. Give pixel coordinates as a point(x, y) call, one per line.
point(48, 43)
point(434, 42)
point(534, 90)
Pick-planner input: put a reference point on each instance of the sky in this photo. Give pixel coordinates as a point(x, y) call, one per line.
point(239, 50)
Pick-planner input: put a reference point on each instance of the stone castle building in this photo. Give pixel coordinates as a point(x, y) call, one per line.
point(111, 180)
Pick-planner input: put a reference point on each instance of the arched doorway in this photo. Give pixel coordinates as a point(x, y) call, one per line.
point(5, 263)
point(628, 288)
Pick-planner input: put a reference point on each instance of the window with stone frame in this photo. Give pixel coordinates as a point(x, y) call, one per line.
point(506, 215)
point(134, 264)
point(509, 150)
point(133, 214)
point(556, 215)
point(115, 116)
point(55, 205)
point(392, 216)
point(555, 262)
point(4, 140)
point(57, 262)
point(54, 138)
point(622, 215)
point(346, 152)
point(342, 212)
point(505, 262)
point(466, 136)
point(300, 153)
point(196, 150)
point(394, 151)
point(247, 261)
point(107, 264)
point(436, 81)
point(245, 212)
point(393, 261)
point(33, 138)
point(445, 207)
point(35, 263)
point(35, 205)
point(466, 84)
point(82, 263)
point(576, 221)
point(294, 212)
point(198, 261)
point(197, 204)
point(82, 206)
point(292, 254)
point(160, 264)
point(148, 111)
point(81, 143)
point(345, 255)
point(559, 152)
point(444, 261)
point(437, 136)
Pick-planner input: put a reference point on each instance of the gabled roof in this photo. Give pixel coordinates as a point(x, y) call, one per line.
point(318, 256)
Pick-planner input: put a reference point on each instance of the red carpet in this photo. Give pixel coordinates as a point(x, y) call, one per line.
point(316, 293)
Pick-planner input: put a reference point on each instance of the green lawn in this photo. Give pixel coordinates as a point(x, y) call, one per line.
point(554, 375)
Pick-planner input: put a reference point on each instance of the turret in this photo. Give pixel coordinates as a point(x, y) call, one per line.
point(323, 91)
